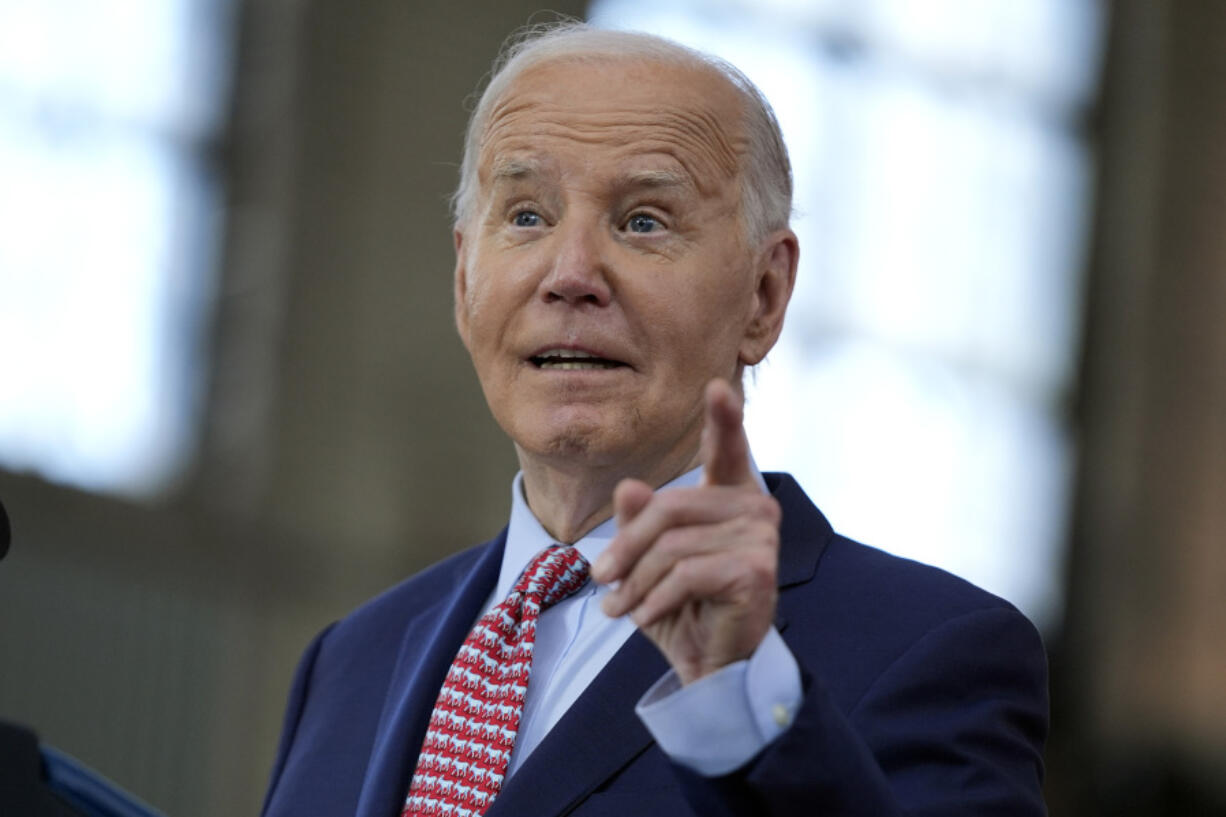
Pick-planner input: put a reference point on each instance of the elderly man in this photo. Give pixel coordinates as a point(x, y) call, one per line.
point(622, 254)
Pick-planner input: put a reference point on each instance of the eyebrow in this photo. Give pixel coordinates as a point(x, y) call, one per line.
point(655, 179)
point(518, 169)
point(514, 169)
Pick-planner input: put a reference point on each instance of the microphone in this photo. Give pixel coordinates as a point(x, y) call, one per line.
point(6, 533)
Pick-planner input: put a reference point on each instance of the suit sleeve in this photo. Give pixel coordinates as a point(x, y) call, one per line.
point(954, 726)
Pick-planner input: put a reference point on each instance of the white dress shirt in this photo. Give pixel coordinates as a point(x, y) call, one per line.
point(713, 725)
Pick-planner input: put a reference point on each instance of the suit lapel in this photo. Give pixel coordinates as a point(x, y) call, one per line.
point(596, 737)
point(803, 536)
point(427, 649)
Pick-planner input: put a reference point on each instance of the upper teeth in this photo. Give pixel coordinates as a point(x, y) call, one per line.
point(569, 353)
point(571, 359)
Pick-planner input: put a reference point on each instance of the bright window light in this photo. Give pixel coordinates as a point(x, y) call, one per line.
point(109, 212)
point(941, 197)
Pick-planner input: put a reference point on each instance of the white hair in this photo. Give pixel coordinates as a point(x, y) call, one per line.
point(766, 173)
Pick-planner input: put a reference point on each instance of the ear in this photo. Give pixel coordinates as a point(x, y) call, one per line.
point(774, 277)
point(461, 287)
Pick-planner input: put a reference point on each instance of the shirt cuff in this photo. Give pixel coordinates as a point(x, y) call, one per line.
point(719, 722)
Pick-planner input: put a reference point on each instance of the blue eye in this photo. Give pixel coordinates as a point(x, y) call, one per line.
point(527, 218)
point(642, 223)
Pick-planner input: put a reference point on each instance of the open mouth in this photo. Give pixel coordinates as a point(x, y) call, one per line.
point(572, 360)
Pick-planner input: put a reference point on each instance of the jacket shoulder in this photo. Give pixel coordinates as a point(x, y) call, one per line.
point(852, 610)
point(387, 612)
point(903, 588)
point(862, 577)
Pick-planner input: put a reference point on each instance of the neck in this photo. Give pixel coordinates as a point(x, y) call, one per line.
point(571, 499)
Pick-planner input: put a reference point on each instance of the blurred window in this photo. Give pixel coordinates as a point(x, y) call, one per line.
point(109, 214)
point(919, 391)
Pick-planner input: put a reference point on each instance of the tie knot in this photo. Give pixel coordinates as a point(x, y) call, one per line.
point(555, 573)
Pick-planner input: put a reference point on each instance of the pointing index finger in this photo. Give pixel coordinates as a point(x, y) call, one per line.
point(725, 446)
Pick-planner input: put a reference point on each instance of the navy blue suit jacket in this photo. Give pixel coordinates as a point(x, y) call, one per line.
point(923, 695)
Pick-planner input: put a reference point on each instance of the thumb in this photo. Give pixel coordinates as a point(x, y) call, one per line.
point(629, 498)
point(725, 446)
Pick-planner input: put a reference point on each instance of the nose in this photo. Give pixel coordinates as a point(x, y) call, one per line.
point(578, 273)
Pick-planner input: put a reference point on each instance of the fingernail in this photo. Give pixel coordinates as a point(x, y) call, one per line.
point(609, 605)
point(603, 565)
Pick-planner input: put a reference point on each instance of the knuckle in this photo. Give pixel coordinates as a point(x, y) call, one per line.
point(769, 538)
point(752, 530)
point(745, 529)
point(764, 568)
point(767, 508)
point(776, 512)
point(758, 566)
point(687, 571)
point(673, 543)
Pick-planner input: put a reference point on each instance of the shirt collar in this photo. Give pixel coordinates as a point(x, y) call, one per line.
point(526, 537)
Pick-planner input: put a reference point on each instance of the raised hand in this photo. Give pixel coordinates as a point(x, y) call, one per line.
point(697, 567)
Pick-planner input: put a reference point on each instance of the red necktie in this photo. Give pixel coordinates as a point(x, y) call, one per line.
point(476, 717)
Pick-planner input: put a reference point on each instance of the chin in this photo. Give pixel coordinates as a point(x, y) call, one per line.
point(569, 446)
point(583, 442)
point(572, 440)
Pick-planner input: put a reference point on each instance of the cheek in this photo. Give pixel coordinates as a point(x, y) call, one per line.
point(480, 306)
point(498, 289)
point(702, 315)
point(697, 345)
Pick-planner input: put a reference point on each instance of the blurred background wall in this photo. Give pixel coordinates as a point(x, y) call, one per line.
point(336, 439)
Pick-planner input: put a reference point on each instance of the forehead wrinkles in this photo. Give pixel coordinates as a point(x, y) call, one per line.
point(694, 136)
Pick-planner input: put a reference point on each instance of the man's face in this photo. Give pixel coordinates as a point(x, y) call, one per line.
point(603, 276)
